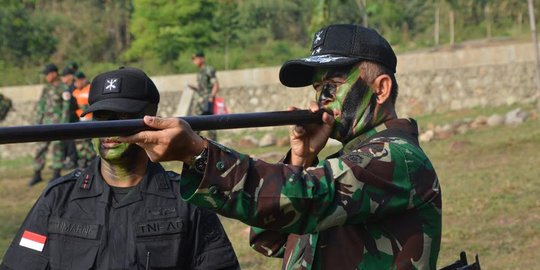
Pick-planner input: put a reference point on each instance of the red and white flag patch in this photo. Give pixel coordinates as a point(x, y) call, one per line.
point(33, 241)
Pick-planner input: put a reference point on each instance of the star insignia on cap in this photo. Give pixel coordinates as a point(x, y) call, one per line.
point(318, 36)
point(112, 85)
point(318, 50)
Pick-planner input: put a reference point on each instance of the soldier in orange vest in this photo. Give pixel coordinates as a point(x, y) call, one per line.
point(80, 93)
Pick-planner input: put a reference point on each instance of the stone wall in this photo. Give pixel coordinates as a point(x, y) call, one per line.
point(431, 81)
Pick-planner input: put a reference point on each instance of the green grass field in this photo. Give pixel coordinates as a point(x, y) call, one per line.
point(489, 179)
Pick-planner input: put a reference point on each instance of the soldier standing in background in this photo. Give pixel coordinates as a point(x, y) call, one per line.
point(52, 108)
point(70, 150)
point(85, 149)
point(205, 91)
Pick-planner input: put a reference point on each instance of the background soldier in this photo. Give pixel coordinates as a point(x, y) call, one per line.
point(123, 211)
point(70, 150)
point(52, 108)
point(376, 204)
point(81, 92)
point(205, 91)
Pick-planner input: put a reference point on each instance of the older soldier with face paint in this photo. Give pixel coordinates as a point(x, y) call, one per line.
point(123, 211)
point(376, 204)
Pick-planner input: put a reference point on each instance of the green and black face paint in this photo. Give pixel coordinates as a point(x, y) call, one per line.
point(345, 91)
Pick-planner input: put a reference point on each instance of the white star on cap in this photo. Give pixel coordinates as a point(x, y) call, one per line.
point(111, 85)
point(318, 36)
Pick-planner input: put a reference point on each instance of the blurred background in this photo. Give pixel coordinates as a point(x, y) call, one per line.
point(235, 34)
point(466, 70)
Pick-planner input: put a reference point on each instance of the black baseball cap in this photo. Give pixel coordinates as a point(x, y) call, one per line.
point(338, 45)
point(125, 90)
point(49, 68)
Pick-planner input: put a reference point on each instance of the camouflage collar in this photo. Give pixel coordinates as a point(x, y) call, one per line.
point(353, 144)
point(407, 125)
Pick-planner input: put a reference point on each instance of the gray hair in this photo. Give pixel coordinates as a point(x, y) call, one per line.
point(371, 70)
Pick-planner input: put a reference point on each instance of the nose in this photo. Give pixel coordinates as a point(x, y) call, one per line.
point(327, 94)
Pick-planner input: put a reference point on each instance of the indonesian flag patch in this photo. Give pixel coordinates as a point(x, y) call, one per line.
point(33, 241)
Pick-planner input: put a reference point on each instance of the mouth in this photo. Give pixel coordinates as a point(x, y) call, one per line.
point(335, 112)
point(109, 142)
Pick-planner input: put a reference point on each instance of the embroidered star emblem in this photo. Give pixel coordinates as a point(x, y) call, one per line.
point(318, 36)
point(111, 84)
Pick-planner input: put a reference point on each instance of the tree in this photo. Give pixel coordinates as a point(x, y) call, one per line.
point(23, 38)
point(166, 29)
point(226, 23)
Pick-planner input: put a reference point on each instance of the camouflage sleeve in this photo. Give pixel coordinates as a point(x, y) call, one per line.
point(211, 73)
point(40, 108)
point(368, 183)
point(267, 242)
point(66, 104)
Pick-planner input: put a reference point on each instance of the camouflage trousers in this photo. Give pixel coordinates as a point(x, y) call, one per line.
point(85, 152)
point(41, 154)
point(200, 106)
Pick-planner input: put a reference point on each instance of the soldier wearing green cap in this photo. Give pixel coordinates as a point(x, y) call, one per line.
point(205, 91)
point(52, 108)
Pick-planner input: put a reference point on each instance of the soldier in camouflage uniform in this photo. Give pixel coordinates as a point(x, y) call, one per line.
point(70, 149)
point(376, 204)
point(85, 150)
point(205, 91)
point(52, 108)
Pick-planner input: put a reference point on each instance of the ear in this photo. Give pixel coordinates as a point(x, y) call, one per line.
point(382, 86)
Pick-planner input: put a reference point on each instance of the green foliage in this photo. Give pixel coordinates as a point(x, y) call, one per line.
point(23, 38)
point(166, 29)
point(161, 35)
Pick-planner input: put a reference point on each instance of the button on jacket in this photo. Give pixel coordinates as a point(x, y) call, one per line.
point(76, 224)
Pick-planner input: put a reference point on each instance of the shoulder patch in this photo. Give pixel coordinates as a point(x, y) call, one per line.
point(362, 159)
point(72, 176)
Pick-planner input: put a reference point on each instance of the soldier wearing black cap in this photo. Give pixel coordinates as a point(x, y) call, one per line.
point(123, 211)
point(52, 108)
point(375, 204)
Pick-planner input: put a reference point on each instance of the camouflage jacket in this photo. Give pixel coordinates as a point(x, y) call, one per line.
point(53, 106)
point(205, 80)
point(376, 204)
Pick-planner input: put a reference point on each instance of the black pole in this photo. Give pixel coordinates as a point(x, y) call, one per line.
point(95, 129)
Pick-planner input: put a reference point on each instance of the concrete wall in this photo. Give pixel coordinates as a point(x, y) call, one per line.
point(433, 81)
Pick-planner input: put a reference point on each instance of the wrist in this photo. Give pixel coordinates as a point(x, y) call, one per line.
point(304, 162)
point(198, 162)
point(199, 159)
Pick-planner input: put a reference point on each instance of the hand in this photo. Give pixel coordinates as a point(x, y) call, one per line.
point(173, 140)
point(308, 140)
point(193, 87)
